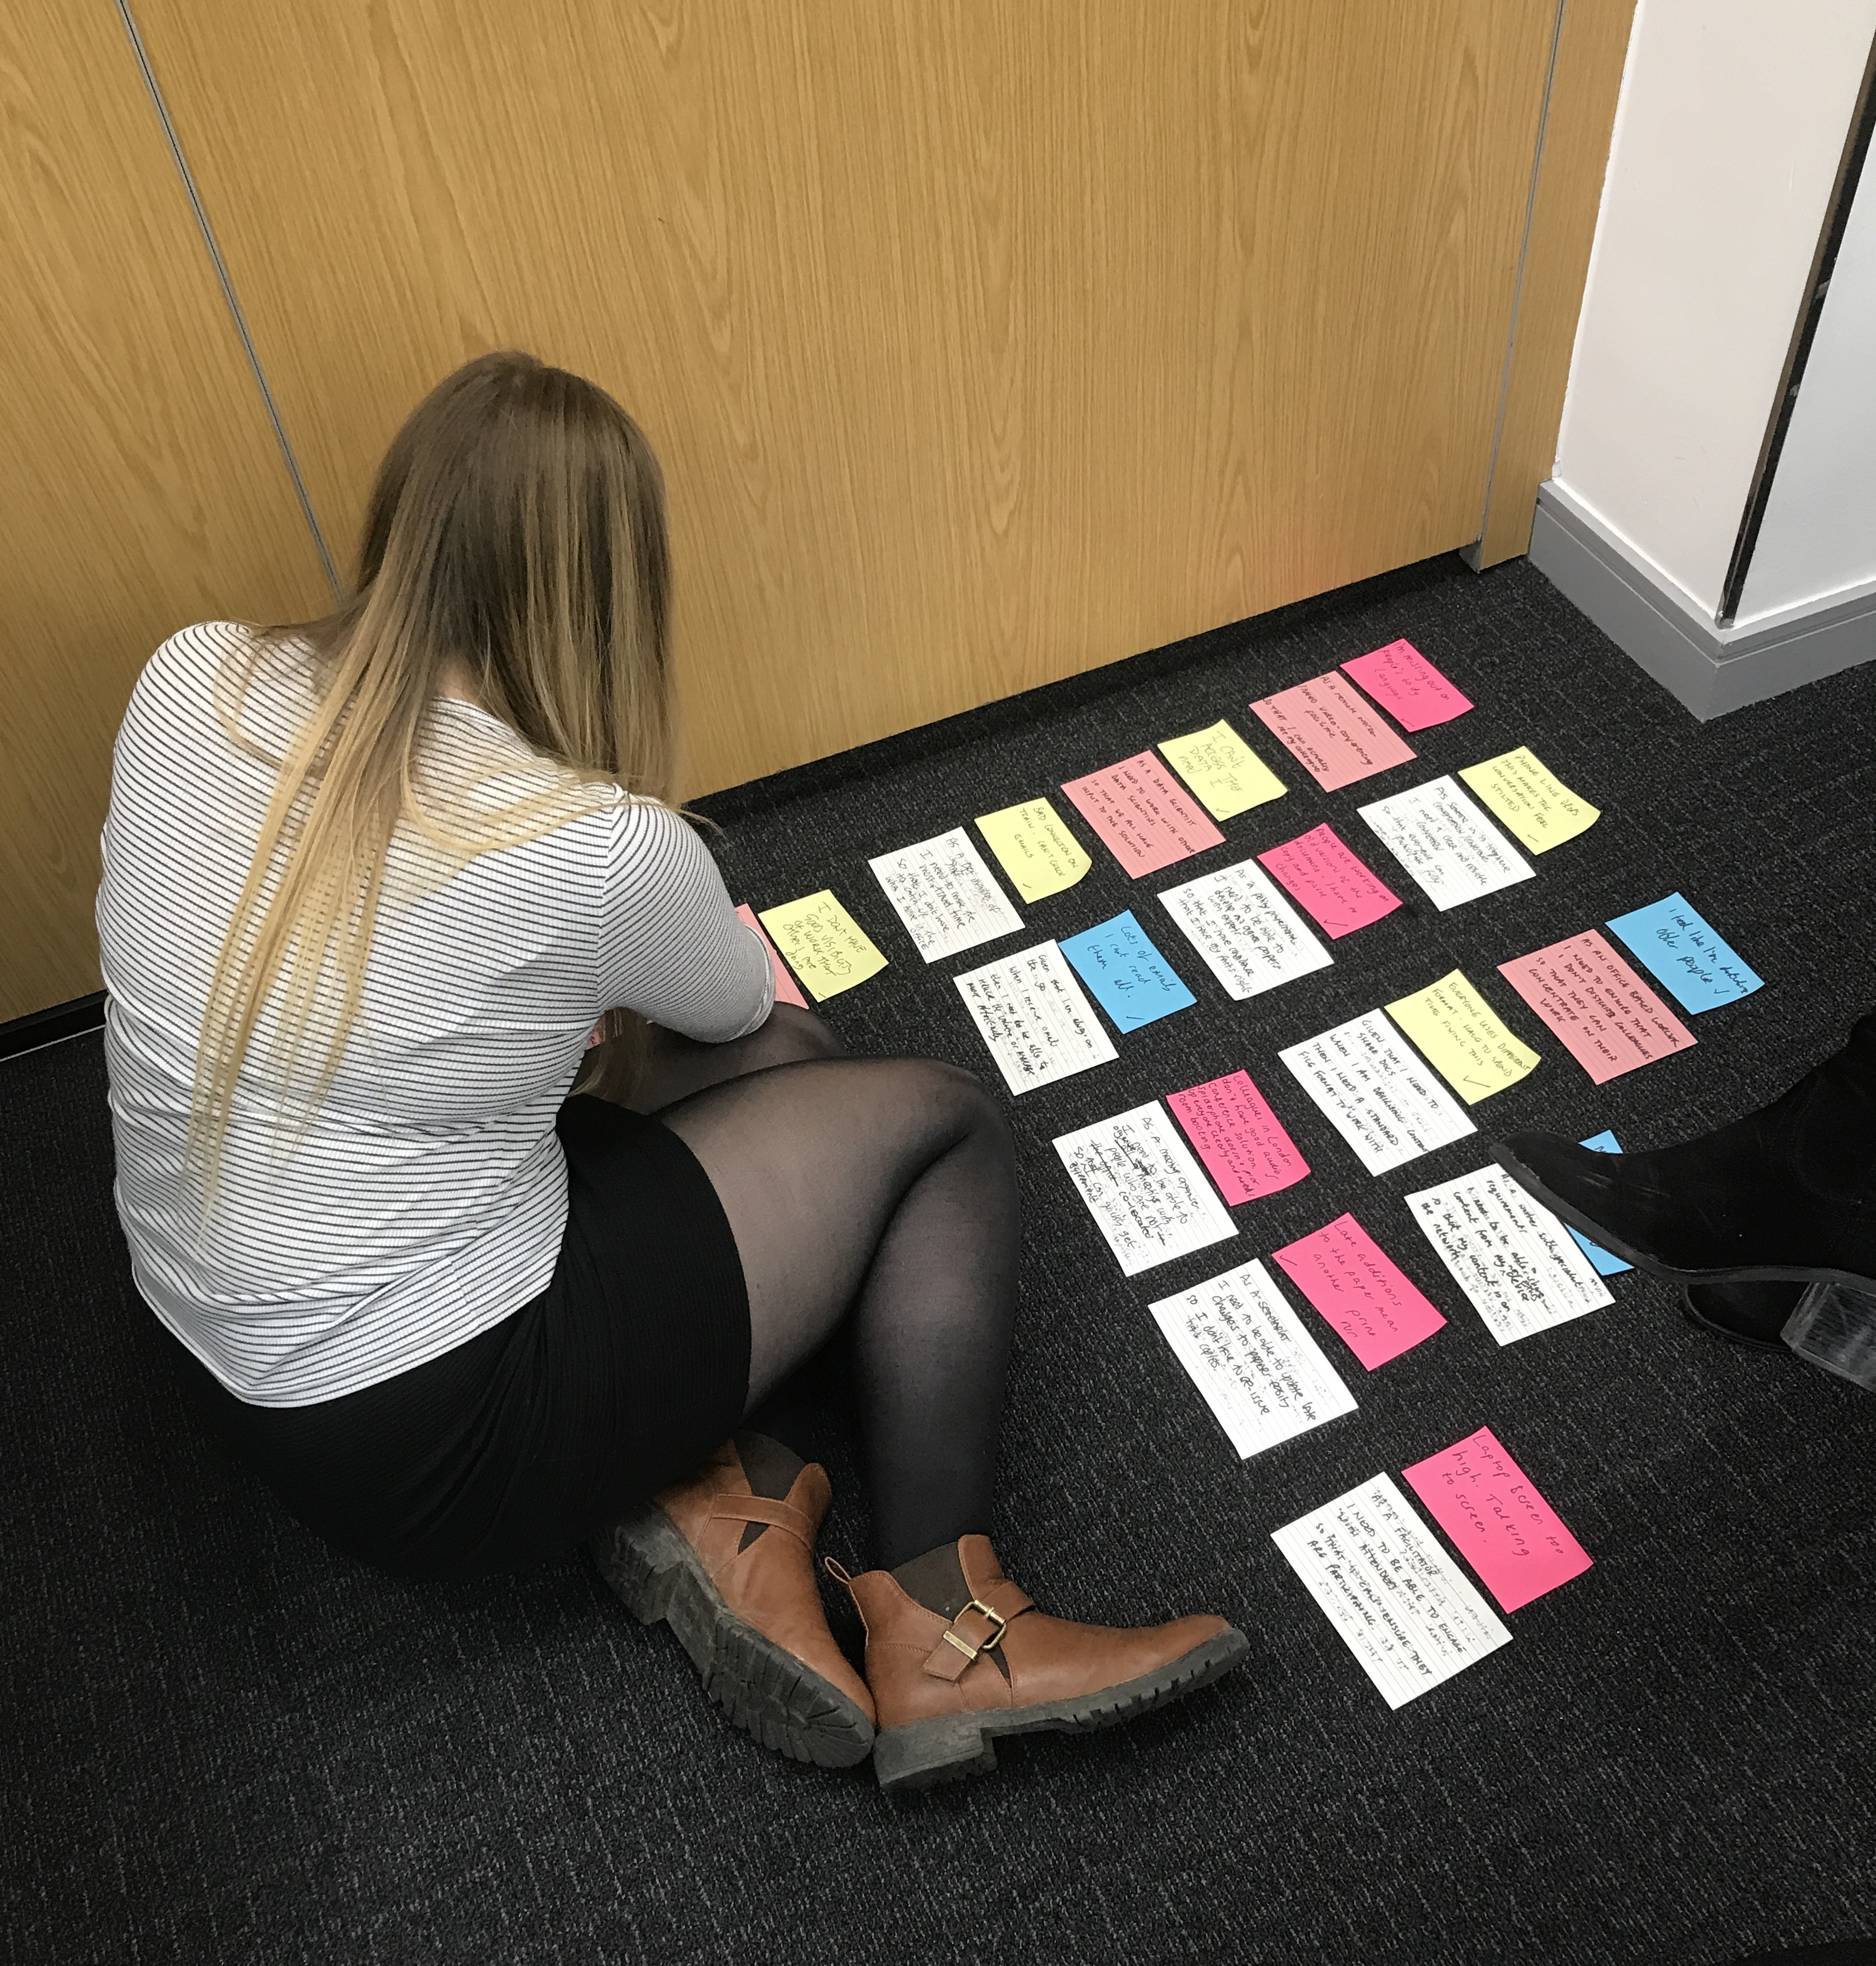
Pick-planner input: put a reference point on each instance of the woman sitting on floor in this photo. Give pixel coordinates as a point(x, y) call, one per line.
point(369, 883)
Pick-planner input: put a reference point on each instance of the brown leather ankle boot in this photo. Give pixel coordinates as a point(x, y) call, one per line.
point(749, 1614)
point(944, 1688)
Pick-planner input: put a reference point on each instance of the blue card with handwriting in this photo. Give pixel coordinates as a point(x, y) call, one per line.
point(1693, 960)
point(1129, 979)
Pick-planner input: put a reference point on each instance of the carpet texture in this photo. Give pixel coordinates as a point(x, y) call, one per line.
point(222, 1742)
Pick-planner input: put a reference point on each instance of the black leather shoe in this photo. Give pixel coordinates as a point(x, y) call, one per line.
point(1753, 1315)
point(1787, 1193)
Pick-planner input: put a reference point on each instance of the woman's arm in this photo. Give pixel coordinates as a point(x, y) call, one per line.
point(671, 946)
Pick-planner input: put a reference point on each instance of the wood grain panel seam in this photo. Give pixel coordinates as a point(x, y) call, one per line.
point(1517, 291)
point(227, 291)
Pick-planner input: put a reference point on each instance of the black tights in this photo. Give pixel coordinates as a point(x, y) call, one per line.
point(875, 1197)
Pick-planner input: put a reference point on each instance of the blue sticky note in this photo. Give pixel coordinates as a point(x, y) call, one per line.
point(1692, 959)
point(1606, 1265)
point(1131, 980)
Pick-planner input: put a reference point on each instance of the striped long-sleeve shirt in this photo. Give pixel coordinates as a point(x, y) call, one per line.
point(424, 1198)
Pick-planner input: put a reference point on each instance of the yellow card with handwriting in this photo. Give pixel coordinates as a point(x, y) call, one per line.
point(1541, 810)
point(825, 946)
point(1226, 775)
point(1037, 851)
point(1459, 1035)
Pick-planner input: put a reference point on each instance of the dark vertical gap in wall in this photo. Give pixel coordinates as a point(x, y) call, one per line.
point(1823, 263)
point(228, 293)
point(1471, 553)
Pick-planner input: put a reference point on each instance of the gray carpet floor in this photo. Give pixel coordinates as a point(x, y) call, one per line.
point(221, 1741)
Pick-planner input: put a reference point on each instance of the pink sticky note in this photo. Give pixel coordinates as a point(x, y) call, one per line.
point(1608, 1018)
point(1241, 1141)
point(1331, 733)
point(787, 990)
point(1502, 1526)
point(1359, 1288)
point(1407, 686)
point(1146, 819)
point(1330, 882)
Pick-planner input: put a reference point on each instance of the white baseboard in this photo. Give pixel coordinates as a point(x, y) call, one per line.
point(1711, 670)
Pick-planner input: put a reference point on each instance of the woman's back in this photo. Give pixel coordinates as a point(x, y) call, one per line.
point(423, 1196)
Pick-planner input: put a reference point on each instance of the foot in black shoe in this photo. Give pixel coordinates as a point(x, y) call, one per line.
point(1788, 1192)
point(1753, 1315)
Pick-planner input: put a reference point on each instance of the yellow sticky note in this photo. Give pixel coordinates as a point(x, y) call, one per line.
point(1226, 775)
point(1037, 851)
point(1461, 1037)
point(1541, 811)
point(825, 946)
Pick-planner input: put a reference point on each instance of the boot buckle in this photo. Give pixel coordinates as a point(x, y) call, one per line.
point(999, 1624)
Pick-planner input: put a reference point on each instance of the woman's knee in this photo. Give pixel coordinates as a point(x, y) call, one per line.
point(793, 1035)
point(962, 1099)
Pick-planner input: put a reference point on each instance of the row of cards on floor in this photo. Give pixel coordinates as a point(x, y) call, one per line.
point(949, 901)
point(1036, 1020)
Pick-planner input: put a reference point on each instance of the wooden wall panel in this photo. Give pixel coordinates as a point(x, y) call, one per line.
point(1592, 45)
point(984, 340)
point(142, 486)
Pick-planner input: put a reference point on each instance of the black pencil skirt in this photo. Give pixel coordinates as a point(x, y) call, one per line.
point(630, 1367)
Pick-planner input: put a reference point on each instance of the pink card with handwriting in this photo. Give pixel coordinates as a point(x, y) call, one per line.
point(1145, 820)
point(1360, 1289)
point(1407, 686)
point(1331, 733)
point(1330, 882)
point(787, 990)
point(1241, 1141)
point(1608, 1018)
point(1497, 1521)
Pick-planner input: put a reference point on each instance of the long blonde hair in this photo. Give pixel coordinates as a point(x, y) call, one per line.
point(517, 529)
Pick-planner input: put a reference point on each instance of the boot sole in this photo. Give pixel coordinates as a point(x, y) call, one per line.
point(950, 1746)
point(759, 1686)
point(1734, 1273)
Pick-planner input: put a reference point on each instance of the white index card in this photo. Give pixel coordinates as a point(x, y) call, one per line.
point(1030, 1009)
point(1446, 843)
point(1378, 1092)
point(1400, 1603)
point(1143, 1188)
point(1250, 936)
point(948, 899)
point(1510, 1255)
point(1263, 1376)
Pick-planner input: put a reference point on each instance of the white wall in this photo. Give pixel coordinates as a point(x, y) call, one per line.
point(1819, 535)
point(1728, 135)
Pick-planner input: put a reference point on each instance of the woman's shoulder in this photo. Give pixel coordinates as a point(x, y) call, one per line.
point(223, 672)
point(623, 828)
point(209, 655)
point(652, 824)
point(651, 847)
point(195, 654)
point(635, 838)
point(176, 684)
